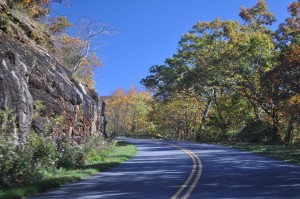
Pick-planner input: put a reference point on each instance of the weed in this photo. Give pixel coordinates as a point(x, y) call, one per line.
point(51, 178)
point(288, 154)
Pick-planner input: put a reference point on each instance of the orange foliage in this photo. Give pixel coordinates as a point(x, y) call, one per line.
point(71, 42)
point(258, 14)
point(36, 7)
point(59, 25)
point(71, 51)
point(87, 68)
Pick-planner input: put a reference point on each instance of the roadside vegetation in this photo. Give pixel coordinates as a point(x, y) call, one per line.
point(52, 157)
point(228, 82)
point(45, 161)
point(288, 154)
point(72, 166)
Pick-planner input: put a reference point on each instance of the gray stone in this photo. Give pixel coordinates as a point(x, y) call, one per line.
point(27, 74)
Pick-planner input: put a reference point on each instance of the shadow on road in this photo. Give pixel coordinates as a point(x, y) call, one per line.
point(122, 143)
point(230, 173)
point(157, 171)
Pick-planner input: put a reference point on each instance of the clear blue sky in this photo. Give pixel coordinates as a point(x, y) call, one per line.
point(149, 31)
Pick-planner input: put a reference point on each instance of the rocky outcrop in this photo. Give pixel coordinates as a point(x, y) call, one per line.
point(15, 99)
point(23, 29)
point(42, 95)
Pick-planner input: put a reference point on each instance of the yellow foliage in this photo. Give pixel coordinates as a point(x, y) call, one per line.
point(36, 7)
point(71, 54)
point(127, 112)
point(294, 100)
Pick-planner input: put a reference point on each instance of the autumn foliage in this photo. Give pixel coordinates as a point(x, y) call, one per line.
point(127, 112)
point(74, 52)
point(70, 52)
point(59, 25)
point(238, 75)
point(36, 8)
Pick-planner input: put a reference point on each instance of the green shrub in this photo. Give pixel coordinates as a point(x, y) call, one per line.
point(4, 23)
point(69, 154)
point(21, 165)
point(13, 3)
point(211, 134)
point(8, 157)
point(43, 150)
point(256, 132)
point(96, 149)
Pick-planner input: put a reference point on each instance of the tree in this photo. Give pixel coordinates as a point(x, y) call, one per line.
point(87, 32)
point(289, 31)
point(35, 8)
point(69, 52)
point(257, 15)
point(116, 108)
point(283, 80)
point(176, 118)
point(258, 59)
point(222, 64)
point(76, 53)
point(86, 70)
point(205, 64)
point(127, 112)
point(59, 25)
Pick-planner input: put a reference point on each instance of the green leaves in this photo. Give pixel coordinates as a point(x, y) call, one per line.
point(239, 72)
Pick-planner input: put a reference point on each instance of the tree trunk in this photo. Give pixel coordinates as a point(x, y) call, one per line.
point(275, 130)
point(256, 112)
point(205, 113)
point(288, 138)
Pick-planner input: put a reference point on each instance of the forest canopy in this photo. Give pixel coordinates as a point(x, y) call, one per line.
point(241, 77)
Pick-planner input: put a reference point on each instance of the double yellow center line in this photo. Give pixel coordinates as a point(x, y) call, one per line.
point(193, 178)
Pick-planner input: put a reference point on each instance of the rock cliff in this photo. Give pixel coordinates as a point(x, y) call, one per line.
point(37, 92)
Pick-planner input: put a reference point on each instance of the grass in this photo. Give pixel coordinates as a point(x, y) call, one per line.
point(288, 154)
point(121, 152)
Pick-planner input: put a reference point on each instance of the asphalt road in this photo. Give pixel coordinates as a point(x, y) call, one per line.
point(169, 169)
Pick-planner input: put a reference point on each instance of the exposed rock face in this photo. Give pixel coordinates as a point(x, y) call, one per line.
point(14, 92)
point(27, 74)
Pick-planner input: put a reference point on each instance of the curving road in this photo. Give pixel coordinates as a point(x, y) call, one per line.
point(170, 169)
